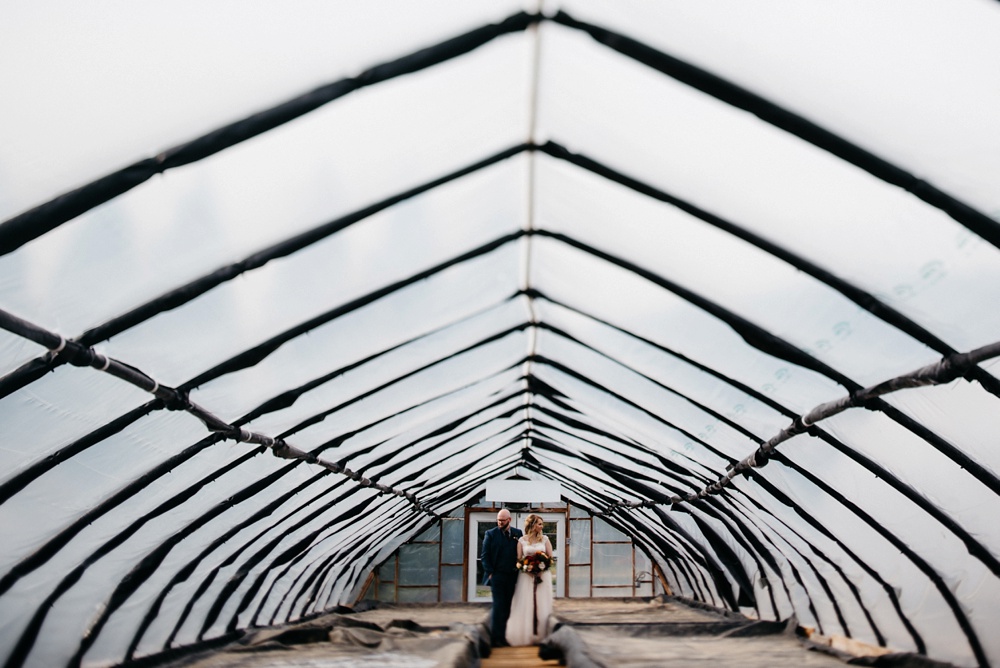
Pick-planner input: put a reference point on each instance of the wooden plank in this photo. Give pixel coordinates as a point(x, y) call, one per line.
point(516, 657)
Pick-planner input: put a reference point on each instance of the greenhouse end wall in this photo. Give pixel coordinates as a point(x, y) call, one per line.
point(436, 565)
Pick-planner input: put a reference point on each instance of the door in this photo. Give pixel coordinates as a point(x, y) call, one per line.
point(480, 523)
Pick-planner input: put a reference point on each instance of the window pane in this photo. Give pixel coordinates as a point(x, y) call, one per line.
point(644, 589)
point(453, 542)
point(418, 594)
point(579, 581)
point(604, 531)
point(579, 542)
point(612, 564)
point(451, 583)
point(576, 511)
point(549, 529)
point(614, 592)
point(418, 564)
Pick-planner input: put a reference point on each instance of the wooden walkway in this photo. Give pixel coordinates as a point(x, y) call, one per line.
point(516, 657)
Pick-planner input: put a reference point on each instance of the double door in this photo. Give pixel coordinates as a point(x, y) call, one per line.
point(479, 523)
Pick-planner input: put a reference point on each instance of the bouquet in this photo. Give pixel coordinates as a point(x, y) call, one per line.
point(534, 564)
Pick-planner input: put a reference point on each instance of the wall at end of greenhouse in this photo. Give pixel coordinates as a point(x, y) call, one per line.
point(437, 565)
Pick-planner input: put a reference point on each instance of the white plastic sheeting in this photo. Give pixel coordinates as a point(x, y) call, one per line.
point(616, 245)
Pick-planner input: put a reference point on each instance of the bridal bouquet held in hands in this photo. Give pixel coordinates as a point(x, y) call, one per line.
point(534, 564)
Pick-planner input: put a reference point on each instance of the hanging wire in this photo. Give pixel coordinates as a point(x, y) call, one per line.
point(177, 400)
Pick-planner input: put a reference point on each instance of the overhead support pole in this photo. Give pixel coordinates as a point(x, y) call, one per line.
point(178, 400)
point(945, 371)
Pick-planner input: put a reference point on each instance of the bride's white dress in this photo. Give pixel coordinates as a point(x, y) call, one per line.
point(529, 600)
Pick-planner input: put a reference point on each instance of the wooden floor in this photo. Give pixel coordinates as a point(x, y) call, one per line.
point(515, 657)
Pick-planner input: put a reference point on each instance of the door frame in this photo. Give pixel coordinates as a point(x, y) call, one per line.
point(475, 518)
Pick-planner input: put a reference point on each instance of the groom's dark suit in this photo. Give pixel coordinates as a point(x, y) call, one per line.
point(500, 565)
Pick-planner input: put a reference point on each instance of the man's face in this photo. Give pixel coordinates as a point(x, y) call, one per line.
point(503, 520)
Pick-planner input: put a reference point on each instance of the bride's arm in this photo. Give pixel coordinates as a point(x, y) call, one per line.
point(548, 547)
point(520, 550)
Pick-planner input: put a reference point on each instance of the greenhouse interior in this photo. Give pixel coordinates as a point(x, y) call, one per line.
point(296, 297)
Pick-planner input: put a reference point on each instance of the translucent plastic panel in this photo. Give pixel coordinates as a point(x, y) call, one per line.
point(579, 581)
point(65, 492)
point(909, 81)
point(872, 593)
point(732, 273)
point(621, 382)
point(479, 447)
point(942, 552)
point(962, 413)
point(668, 369)
point(181, 78)
point(621, 418)
point(729, 162)
point(434, 317)
point(579, 541)
point(96, 582)
point(219, 210)
point(58, 409)
point(124, 623)
point(452, 541)
point(216, 563)
point(15, 351)
point(945, 484)
point(605, 532)
point(389, 247)
point(449, 375)
point(612, 563)
point(346, 390)
point(615, 295)
point(418, 564)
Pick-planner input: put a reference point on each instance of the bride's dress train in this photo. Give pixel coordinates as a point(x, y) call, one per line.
point(532, 606)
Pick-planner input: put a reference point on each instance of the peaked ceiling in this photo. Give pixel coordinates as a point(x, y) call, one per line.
point(640, 249)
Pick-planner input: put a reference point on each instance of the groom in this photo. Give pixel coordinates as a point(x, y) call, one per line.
point(500, 564)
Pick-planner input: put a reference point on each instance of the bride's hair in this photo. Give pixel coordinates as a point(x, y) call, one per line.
point(533, 526)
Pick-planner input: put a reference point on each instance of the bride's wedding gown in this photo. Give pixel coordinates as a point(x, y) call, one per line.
point(529, 600)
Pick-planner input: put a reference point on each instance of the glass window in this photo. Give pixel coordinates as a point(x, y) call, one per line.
point(579, 542)
point(612, 592)
point(418, 594)
point(612, 564)
point(579, 581)
point(418, 564)
point(577, 511)
point(452, 541)
point(451, 583)
point(604, 531)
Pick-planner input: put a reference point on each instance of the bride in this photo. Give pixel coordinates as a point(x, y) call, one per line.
point(532, 605)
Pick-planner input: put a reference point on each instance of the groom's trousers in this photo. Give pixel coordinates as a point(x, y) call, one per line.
point(502, 585)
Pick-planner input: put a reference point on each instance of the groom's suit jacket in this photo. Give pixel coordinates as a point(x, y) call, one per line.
point(499, 552)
